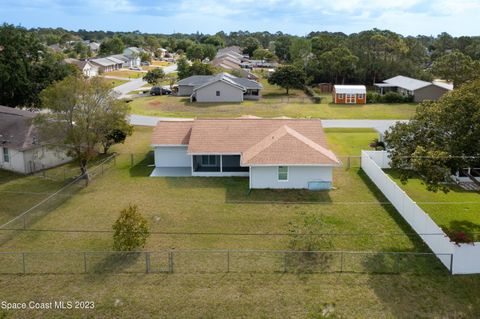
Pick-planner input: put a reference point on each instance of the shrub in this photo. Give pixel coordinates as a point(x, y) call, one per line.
point(130, 230)
point(389, 97)
point(315, 97)
point(459, 236)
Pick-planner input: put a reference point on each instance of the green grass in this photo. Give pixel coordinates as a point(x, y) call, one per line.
point(273, 103)
point(210, 204)
point(126, 74)
point(115, 82)
point(220, 205)
point(456, 210)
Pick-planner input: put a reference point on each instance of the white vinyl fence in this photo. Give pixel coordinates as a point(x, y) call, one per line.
point(465, 258)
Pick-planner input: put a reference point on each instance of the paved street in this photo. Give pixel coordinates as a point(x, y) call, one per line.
point(379, 125)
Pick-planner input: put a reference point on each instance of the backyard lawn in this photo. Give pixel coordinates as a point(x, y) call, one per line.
point(115, 82)
point(456, 210)
point(273, 103)
point(223, 205)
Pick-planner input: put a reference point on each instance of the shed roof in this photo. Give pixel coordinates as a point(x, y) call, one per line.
point(16, 129)
point(350, 89)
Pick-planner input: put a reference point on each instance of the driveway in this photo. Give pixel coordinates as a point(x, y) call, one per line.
point(379, 125)
point(136, 84)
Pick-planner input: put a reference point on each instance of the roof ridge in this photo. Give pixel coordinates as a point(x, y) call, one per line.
point(282, 131)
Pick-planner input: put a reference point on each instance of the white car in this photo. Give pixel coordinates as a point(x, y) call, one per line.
point(136, 68)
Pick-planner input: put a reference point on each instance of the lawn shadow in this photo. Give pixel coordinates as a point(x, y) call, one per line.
point(420, 286)
point(114, 263)
point(144, 167)
point(393, 213)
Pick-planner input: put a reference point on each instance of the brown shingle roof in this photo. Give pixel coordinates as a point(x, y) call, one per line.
point(16, 129)
point(172, 133)
point(259, 141)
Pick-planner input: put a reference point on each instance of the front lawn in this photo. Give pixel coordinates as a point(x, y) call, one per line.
point(456, 210)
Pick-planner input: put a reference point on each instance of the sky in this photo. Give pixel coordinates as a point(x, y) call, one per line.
point(407, 17)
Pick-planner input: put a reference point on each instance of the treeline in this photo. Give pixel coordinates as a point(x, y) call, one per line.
point(333, 57)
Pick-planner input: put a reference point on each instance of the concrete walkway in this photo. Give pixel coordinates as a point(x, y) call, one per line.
point(379, 125)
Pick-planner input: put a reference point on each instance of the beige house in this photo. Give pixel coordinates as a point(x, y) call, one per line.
point(273, 153)
point(420, 90)
point(21, 149)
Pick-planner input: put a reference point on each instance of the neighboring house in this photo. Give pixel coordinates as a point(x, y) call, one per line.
point(349, 94)
point(126, 62)
point(21, 150)
point(106, 64)
point(56, 47)
point(222, 87)
point(94, 46)
point(273, 153)
point(420, 90)
point(133, 53)
point(87, 68)
point(162, 52)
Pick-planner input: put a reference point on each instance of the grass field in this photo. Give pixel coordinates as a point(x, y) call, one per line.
point(456, 210)
point(124, 73)
point(223, 205)
point(115, 82)
point(273, 103)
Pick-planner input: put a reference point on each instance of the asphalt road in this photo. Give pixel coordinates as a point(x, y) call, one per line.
point(379, 125)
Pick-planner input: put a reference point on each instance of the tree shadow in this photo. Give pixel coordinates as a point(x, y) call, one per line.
point(114, 263)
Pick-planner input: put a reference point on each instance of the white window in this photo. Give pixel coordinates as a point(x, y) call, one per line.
point(283, 173)
point(340, 96)
point(360, 96)
point(209, 160)
point(350, 98)
point(218, 93)
point(6, 155)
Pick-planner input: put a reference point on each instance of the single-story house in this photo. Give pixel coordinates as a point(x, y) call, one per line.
point(273, 153)
point(133, 53)
point(349, 94)
point(420, 90)
point(107, 64)
point(94, 46)
point(87, 68)
point(222, 87)
point(21, 150)
point(162, 52)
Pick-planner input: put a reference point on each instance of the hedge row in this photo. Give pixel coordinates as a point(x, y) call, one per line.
point(315, 97)
point(390, 97)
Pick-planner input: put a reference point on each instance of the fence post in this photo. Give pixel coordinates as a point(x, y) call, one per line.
point(114, 159)
point(147, 262)
point(228, 260)
point(85, 262)
point(23, 263)
point(131, 159)
point(25, 221)
point(341, 261)
point(170, 261)
point(397, 263)
point(348, 162)
point(451, 264)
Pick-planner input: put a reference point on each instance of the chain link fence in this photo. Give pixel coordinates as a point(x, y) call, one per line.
point(51, 202)
point(221, 261)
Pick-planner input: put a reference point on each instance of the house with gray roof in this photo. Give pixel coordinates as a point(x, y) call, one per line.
point(222, 87)
point(21, 148)
point(107, 64)
point(420, 90)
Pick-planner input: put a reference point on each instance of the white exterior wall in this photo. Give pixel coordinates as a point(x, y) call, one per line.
point(172, 156)
point(33, 160)
point(16, 162)
point(43, 157)
point(298, 176)
point(228, 93)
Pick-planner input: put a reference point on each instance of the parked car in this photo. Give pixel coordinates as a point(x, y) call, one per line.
point(136, 68)
point(145, 63)
point(156, 90)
